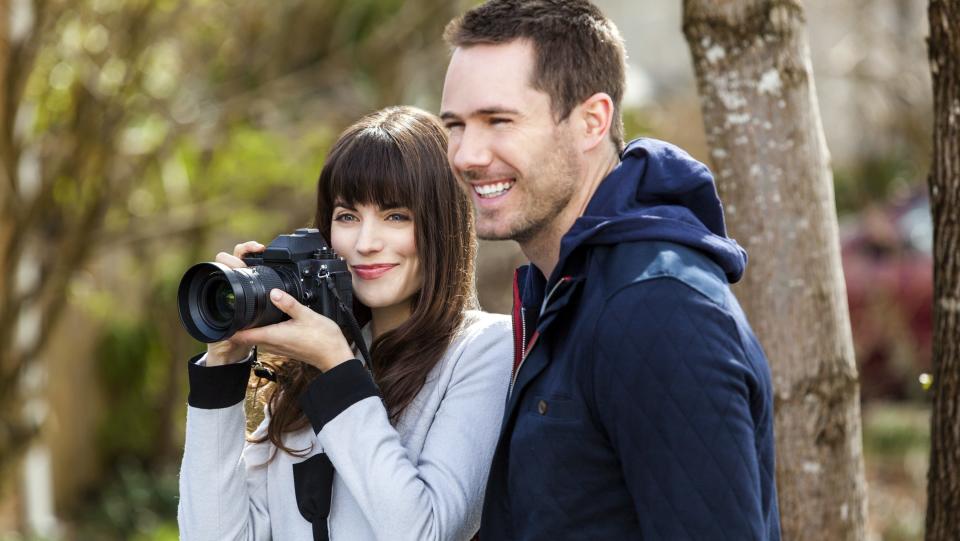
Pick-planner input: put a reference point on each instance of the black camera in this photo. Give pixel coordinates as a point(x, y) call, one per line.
point(216, 301)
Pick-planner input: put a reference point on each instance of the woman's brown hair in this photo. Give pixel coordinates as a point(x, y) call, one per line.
point(395, 158)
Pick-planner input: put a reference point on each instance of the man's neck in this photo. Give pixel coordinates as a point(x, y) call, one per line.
point(543, 250)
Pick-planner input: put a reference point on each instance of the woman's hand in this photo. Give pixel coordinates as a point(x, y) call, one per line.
point(231, 350)
point(307, 336)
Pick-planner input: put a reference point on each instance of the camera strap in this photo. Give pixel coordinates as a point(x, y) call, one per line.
point(352, 327)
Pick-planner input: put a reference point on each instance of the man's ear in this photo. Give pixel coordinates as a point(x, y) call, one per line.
point(596, 113)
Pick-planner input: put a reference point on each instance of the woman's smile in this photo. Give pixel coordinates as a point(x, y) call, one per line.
point(373, 271)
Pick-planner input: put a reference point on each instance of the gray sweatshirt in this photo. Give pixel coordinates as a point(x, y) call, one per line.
point(423, 479)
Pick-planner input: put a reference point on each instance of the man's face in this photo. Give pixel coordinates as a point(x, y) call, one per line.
point(518, 164)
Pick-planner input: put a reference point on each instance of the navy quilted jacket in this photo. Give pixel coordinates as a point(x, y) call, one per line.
point(642, 404)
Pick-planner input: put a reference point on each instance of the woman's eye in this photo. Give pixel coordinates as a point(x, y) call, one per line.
point(397, 217)
point(344, 217)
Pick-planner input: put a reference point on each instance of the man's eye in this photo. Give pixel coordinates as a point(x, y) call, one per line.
point(497, 120)
point(453, 125)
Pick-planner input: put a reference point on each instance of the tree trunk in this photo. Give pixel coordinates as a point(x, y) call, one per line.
point(752, 65)
point(943, 489)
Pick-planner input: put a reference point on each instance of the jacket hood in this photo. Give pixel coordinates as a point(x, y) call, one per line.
point(658, 192)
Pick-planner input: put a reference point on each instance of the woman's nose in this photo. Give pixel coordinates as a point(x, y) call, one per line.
point(369, 240)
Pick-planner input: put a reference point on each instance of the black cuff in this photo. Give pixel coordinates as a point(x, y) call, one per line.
point(215, 387)
point(336, 390)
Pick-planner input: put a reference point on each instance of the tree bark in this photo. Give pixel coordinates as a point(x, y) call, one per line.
point(943, 488)
point(752, 65)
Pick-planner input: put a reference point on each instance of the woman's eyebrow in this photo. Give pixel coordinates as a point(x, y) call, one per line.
point(343, 204)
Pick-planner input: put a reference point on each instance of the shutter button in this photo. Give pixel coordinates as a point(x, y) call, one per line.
point(542, 407)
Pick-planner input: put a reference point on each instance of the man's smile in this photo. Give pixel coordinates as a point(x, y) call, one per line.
point(495, 188)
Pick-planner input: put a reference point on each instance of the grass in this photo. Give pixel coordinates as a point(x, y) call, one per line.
point(896, 449)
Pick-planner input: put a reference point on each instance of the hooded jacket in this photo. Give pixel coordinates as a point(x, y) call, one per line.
point(641, 403)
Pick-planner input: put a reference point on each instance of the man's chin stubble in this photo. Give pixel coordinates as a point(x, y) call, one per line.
point(520, 234)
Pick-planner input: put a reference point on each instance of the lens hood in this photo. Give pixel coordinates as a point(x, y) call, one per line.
point(199, 315)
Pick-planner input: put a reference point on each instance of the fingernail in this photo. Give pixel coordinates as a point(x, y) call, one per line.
point(275, 294)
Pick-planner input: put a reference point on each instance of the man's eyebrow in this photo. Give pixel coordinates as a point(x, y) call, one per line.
point(486, 111)
point(496, 111)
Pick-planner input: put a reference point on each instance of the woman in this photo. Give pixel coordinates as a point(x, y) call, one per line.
point(410, 440)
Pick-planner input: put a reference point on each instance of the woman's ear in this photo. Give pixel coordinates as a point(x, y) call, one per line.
point(596, 114)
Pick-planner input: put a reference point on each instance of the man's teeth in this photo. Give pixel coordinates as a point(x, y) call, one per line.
point(493, 190)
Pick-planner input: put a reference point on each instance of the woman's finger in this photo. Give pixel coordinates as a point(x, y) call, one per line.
point(231, 261)
point(245, 248)
point(289, 305)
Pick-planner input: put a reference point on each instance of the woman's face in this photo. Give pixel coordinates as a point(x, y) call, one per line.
point(381, 249)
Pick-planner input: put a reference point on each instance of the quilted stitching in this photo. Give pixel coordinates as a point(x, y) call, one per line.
point(662, 326)
point(671, 385)
point(666, 380)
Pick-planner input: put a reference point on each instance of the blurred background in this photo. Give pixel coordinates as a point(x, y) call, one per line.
point(139, 137)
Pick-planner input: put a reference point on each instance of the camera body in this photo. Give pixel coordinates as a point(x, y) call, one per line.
point(216, 301)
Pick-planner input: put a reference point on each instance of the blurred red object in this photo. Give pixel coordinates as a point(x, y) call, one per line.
point(888, 265)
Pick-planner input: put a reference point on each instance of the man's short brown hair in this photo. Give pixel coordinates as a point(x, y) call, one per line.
point(578, 51)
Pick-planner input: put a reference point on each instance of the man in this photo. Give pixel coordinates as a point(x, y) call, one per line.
point(641, 402)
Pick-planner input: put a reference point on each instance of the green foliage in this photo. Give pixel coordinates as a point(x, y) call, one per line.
point(896, 431)
point(875, 180)
point(896, 450)
point(138, 496)
point(132, 359)
point(636, 124)
point(253, 163)
point(135, 504)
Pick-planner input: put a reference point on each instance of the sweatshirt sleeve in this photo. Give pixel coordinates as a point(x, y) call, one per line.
point(222, 478)
point(678, 399)
point(440, 496)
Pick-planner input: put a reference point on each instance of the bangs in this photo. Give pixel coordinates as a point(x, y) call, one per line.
point(371, 169)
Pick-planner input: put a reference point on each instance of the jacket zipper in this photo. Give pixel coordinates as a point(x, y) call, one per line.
point(523, 349)
point(523, 330)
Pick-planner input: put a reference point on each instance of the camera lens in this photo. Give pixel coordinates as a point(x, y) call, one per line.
point(216, 301)
point(219, 302)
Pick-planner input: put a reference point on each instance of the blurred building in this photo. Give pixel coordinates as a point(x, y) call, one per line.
point(869, 62)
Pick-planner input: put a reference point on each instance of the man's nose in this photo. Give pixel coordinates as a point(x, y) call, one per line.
point(369, 240)
point(472, 151)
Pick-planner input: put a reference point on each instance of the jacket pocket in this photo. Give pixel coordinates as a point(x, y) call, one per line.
point(558, 409)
